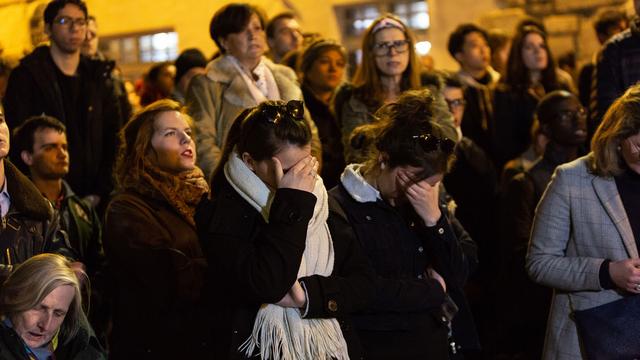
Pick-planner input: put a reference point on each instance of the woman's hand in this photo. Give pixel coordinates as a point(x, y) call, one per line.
point(423, 197)
point(434, 275)
point(626, 274)
point(294, 298)
point(301, 176)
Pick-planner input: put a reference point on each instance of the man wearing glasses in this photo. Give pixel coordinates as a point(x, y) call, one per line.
point(57, 81)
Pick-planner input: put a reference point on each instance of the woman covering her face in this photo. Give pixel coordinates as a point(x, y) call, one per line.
point(150, 239)
point(282, 282)
point(586, 231)
point(420, 252)
point(41, 313)
point(240, 78)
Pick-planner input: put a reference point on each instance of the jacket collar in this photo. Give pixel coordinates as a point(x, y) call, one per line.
point(607, 192)
point(25, 197)
point(222, 70)
point(356, 185)
point(468, 80)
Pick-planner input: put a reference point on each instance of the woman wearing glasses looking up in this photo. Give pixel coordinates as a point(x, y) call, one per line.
point(290, 280)
point(389, 67)
point(420, 252)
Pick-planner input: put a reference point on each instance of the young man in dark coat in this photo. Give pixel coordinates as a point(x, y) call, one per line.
point(55, 80)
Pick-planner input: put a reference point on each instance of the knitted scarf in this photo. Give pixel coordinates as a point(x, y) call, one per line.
point(279, 332)
point(183, 191)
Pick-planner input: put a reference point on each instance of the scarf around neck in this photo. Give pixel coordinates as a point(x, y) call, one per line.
point(264, 87)
point(279, 332)
point(183, 191)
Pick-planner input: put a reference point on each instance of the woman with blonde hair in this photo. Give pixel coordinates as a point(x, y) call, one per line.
point(389, 67)
point(41, 313)
point(150, 239)
point(584, 242)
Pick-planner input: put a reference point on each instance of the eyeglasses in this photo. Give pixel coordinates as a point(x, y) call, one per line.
point(455, 103)
point(384, 48)
point(430, 143)
point(572, 115)
point(69, 22)
point(274, 113)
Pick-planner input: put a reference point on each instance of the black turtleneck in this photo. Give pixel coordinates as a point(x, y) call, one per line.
point(628, 184)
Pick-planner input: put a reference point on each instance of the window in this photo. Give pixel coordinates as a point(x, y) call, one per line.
point(150, 47)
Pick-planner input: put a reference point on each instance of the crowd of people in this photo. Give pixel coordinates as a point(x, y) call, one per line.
point(260, 204)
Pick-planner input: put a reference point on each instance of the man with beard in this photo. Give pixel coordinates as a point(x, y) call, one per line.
point(57, 81)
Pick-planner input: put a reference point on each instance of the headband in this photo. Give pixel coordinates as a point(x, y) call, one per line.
point(387, 23)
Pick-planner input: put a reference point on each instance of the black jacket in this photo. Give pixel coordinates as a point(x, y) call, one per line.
point(331, 137)
point(33, 89)
point(84, 346)
point(252, 263)
point(405, 316)
point(30, 227)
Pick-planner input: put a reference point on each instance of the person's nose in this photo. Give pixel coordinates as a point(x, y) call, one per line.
point(44, 322)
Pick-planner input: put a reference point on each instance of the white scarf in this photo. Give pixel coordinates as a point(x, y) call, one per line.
point(279, 332)
point(263, 89)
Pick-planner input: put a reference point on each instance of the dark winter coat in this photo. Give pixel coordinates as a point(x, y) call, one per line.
point(406, 316)
point(157, 269)
point(253, 262)
point(30, 227)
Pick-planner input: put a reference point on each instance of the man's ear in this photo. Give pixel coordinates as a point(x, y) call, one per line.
point(26, 157)
point(459, 56)
point(248, 160)
point(47, 29)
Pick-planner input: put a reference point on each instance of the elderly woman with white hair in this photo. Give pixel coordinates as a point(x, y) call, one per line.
point(41, 313)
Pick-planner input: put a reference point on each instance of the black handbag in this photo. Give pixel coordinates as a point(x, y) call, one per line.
point(610, 331)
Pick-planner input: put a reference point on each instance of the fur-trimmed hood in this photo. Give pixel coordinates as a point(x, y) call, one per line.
point(26, 199)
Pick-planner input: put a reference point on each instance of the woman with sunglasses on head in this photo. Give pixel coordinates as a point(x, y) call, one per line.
point(282, 284)
point(393, 203)
point(531, 73)
point(389, 67)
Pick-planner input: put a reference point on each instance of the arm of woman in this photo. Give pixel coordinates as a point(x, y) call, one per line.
point(259, 260)
point(201, 103)
point(351, 285)
point(547, 262)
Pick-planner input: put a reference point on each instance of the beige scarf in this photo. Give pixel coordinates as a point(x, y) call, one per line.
point(279, 332)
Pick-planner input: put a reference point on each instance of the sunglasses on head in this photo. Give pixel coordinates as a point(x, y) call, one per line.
point(430, 143)
point(274, 113)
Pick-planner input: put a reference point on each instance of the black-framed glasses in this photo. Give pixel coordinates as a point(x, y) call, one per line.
point(68, 21)
point(384, 48)
point(572, 115)
point(274, 113)
point(430, 143)
point(455, 103)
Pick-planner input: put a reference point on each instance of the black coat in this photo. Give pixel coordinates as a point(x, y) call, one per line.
point(252, 263)
point(405, 316)
point(30, 227)
point(331, 137)
point(33, 89)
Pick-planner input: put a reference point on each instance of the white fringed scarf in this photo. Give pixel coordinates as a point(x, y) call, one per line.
point(279, 332)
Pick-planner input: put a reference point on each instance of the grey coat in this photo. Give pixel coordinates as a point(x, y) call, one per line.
point(217, 98)
point(580, 221)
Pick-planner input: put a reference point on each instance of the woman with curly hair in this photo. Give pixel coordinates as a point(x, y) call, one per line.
point(150, 239)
